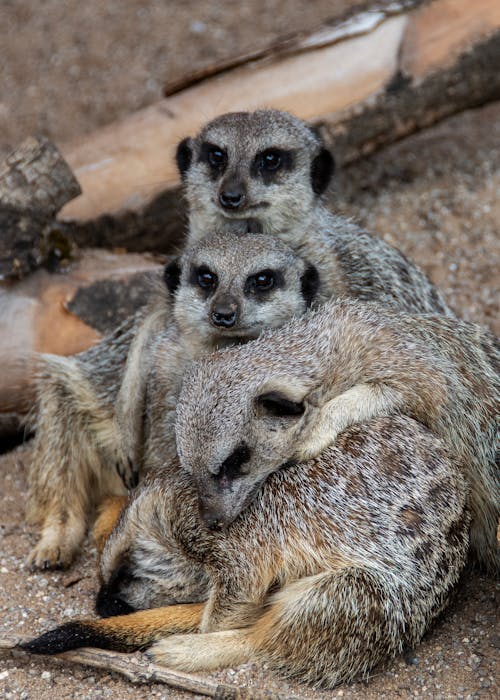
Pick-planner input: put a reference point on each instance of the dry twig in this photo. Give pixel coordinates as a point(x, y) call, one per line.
point(138, 671)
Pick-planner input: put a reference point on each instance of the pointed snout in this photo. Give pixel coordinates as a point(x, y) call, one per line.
point(211, 515)
point(232, 194)
point(224, 312)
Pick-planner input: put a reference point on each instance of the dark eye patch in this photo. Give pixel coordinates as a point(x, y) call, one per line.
point(264, 281)
point(214, 156)
point(203, 277)
point(277, 405)
point(268, 163)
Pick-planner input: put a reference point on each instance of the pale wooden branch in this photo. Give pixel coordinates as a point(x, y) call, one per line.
point(141, 672)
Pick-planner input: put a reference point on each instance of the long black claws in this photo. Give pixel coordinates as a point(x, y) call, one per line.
point(129, 476)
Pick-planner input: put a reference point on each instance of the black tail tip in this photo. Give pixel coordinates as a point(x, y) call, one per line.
point(71, 635)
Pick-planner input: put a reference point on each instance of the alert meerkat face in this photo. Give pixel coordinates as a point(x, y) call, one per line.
point(229, 287)
point(253, 171)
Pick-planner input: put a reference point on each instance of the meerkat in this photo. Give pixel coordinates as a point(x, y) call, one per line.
point(297, 388)
point(224, 290)
point(267, 171)
point(336, 565)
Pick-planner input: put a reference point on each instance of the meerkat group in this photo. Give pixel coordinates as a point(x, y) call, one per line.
point(261, 427)
point(90, 410)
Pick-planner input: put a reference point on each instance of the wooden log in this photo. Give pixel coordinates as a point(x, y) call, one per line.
point(367, 81)
point(64, 314)
point(35, 182)
point(36, 177)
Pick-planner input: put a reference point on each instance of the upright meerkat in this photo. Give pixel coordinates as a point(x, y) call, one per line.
point(336, 565)
point(267, 170)
point(288, 396)
point(90, 407)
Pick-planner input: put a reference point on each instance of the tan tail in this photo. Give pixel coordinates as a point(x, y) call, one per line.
point(122, 633)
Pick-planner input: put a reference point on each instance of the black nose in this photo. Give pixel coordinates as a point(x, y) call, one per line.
point(209, 517)
point(223, 317)
point(231, 199)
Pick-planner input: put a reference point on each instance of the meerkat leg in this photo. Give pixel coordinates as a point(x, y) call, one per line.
point(203, 652)
point(360, 403)
point(108, 513)
point(60, 540)
point(68, 472)
point(314, 628)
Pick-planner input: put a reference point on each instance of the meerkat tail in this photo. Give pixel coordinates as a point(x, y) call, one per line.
point(122, 633)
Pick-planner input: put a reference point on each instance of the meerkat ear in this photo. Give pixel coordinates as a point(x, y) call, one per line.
point(276, 404)
point(309, 283)
point(322, 169)
point(184, 156)
point(172, 275)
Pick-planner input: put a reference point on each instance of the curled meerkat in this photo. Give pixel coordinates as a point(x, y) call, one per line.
point(336, 564)
point(225, 289)
point(297, 388)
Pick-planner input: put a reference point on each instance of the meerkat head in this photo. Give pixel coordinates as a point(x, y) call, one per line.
point(240, 418)
point(229, 288)
point(253, 171)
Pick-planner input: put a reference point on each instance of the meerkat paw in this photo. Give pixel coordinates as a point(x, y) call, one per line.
point(356, 405)
point(57, 547)
point(201, 652)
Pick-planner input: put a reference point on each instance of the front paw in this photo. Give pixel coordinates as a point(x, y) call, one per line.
point(127, 472)
point(52, 554)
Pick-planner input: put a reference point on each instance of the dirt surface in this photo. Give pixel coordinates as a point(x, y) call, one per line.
point(70, 67)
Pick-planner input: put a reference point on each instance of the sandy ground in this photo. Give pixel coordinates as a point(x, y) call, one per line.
point(435, 195)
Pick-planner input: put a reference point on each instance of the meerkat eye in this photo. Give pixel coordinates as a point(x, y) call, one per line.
point(205, 278)
point(264, 280)
point(270, 160)
point(216, 157)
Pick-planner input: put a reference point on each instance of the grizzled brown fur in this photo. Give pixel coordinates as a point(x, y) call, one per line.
point(336, 564)
point(279, 168)
point(288, 395)
point(90, 407)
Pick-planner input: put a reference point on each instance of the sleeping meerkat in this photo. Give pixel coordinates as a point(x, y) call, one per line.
point(288, 396)
point(225, 289)
point(336, 564)
point(266, 170)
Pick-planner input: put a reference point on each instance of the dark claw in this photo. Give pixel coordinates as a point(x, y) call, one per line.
point(134, 474)
point(130, 476)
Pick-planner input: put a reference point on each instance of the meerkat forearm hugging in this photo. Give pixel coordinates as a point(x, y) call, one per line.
point(90, 407)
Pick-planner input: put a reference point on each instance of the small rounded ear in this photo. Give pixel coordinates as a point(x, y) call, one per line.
point(184, 156)
point(172, 275)
point(275, 404)
point(309, 284)
point(322, 169)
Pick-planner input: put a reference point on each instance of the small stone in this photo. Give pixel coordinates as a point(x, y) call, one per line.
point(474, 660)
point(197, 27)
point(4, 675)
point(46, 675)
